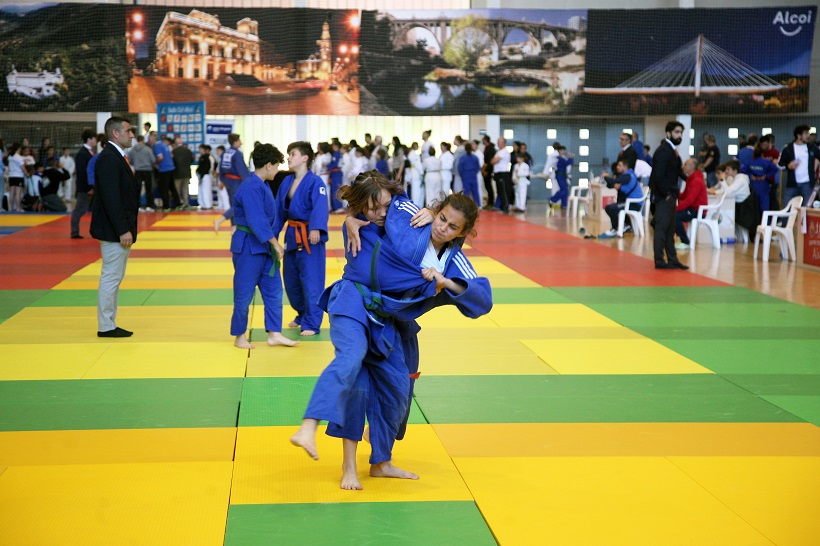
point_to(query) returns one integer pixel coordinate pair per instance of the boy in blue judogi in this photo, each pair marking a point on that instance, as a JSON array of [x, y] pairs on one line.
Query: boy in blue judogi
[[302, 206], [256, 252]]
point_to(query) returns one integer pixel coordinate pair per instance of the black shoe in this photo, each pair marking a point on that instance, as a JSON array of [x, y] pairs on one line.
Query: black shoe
[[77, 237], [679, 265], [664, 265], [116, 332]]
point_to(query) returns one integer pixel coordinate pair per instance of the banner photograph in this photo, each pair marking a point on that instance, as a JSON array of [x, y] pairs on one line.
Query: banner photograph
[[62, 58], [244, 61], [471, 61], [698, 61]]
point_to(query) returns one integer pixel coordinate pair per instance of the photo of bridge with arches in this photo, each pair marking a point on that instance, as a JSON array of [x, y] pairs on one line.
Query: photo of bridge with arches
[[471, 62]]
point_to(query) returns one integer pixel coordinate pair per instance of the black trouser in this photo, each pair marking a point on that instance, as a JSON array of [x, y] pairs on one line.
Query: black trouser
[[682, 217], [166, 182], [613, 209], [80, 208], [664, 224], [503, 184], [147, 178], [488, 187]]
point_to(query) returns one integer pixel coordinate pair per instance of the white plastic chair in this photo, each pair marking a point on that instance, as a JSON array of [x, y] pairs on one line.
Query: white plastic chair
[[708, 216], [575, 197], [785, 235], [638, 217]]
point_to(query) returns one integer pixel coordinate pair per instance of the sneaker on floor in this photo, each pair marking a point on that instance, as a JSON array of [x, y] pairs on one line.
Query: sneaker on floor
[[681, 246], [627, 228], [149, 209], [609, 234]]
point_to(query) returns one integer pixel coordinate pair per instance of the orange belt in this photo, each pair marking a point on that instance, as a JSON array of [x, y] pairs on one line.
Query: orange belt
[[232, 176], [301, 234], [415, 375]]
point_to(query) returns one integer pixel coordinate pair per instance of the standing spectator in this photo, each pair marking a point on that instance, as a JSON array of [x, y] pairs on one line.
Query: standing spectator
[[114, 221], [801, 160], [232, 171], [425, 143], [521, 180], [432, 177], [381, 162], [694, 195], [647, 155], [663, 183], [447, 165], [223, 201], [205, 169], [84, 191], [638, 145], [458, 185], [146, 129], [42, 154], [416, 175], [711, 160], [398, 161], [142, 160], [502, 175], [183, 161], [522, 149], [627, 153], [746, 152], [66, 163], [165, 168], [562, 195], [487, 171], [17, 177], [469, 168], [336, 176]]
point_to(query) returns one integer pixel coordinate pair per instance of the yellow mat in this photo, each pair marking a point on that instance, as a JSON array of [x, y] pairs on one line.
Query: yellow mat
[[599, 500], [142, 504], [450, 317], [26, 220], [629, 439], [63, 447], [612, 356], [550, 315], [28, 361], [780, 496], [269, 469], [169, 359], [460, 336], [478, 356], [90, 282], [308, 358]]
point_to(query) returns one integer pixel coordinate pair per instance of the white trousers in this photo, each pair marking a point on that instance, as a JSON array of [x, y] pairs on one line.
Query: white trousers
[[432, 187], [416, 190], [458, 185], [223, 202], [446, 181], [114, 259], [206, 192], [521, 193]]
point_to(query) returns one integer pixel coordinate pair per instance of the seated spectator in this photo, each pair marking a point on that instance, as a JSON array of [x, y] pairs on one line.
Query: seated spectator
[[628, 187], [735, 185], [693, 196]]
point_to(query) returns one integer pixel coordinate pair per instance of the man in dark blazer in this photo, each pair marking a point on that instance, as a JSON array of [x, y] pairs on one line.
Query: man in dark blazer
[[663, 183], [114, 220], [84, 192], [627, 154]]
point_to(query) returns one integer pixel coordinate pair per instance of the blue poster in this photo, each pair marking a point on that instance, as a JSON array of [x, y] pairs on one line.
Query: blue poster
[[182, 119]]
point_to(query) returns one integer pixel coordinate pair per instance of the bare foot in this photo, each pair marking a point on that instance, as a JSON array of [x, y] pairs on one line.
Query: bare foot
[[276, 338], [387, 470], [241, 342], [350, 480], [366, 434], [306, 333], [305, 437], [216, 226], [293, 324]]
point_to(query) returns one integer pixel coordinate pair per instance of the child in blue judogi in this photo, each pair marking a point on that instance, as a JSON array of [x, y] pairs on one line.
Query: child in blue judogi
[[256, 252], [302, 207]]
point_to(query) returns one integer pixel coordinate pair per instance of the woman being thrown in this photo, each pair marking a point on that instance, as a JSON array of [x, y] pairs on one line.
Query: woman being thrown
[[385, 278]]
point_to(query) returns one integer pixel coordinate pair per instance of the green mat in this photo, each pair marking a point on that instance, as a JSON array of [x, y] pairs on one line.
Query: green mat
[[14, 301]]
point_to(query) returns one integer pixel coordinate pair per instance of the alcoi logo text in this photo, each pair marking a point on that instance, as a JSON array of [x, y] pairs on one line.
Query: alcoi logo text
[[791, 20]]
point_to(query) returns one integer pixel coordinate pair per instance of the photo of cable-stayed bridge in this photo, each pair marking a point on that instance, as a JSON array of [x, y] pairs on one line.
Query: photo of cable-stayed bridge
[[706, 62]]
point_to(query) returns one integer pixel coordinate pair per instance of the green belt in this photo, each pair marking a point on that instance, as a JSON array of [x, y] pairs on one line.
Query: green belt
[[375, 295], [273, 254]]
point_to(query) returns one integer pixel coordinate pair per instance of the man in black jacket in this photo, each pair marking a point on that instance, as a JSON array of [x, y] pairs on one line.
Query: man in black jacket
[[114, 220], [666, 170], [84, 192]]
